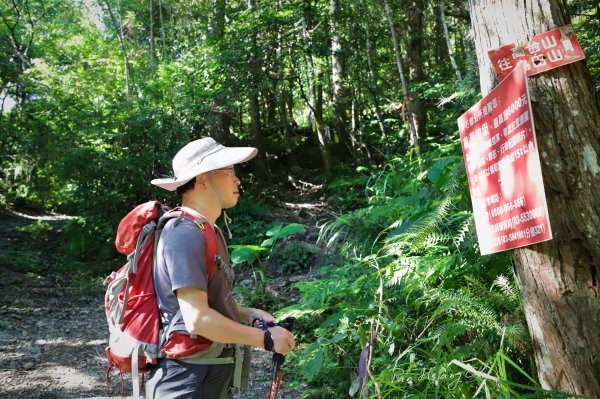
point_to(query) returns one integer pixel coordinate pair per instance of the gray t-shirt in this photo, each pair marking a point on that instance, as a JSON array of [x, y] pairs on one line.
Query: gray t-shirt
[[181, 262]]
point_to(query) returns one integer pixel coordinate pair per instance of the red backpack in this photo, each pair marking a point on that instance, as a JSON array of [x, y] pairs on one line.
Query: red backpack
[[137, 339]]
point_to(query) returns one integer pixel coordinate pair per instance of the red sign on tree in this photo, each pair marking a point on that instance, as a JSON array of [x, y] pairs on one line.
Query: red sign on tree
[[503, 167], [545, 51]]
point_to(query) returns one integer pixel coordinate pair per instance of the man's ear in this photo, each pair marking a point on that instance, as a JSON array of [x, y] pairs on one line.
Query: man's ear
[[200, 181]]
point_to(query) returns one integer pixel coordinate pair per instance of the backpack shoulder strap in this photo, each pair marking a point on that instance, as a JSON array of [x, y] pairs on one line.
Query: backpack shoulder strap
[[212, 257], [212, 249]]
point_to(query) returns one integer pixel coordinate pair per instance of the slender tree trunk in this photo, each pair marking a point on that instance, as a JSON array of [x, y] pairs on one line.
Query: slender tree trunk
[[217, 19], [162, 30], [414, 138], [559, 279], [218, 119], [448, 43], [280, 95], [121, 37], [315, 114], [416, 31], [440, 44], [373, 91], [256, 129], [340, 111], [253, 97], [289, 102], [152, 33], [270, 105]]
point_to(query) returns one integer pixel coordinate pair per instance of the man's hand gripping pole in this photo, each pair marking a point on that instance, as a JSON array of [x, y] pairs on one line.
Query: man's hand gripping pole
[[278, 359]]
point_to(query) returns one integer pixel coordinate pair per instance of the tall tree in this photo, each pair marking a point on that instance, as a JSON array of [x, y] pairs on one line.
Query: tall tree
[[414, 137], [416, 31], [559, 279], [120, 31], [253, 99], [373, 89], [218, 119], [448, 42], [316, 116], [340, 117]]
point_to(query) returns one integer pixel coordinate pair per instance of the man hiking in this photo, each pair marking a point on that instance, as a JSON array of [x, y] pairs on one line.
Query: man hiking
[[205, 177]]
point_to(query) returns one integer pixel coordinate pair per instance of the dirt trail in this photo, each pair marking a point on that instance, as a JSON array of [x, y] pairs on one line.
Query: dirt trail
[[52, 337]]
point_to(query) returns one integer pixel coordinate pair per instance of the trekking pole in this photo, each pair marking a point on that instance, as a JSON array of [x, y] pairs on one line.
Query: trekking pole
[[278, 358]]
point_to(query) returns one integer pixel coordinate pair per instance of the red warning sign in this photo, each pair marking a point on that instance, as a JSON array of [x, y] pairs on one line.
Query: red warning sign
[[546, 51], [503, 167]]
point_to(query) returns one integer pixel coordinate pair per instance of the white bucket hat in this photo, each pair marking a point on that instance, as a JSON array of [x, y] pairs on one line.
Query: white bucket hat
[[202, 156]]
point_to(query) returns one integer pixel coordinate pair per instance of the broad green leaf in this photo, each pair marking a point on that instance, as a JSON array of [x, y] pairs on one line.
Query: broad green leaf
[[354, 387], [245, 253], [274, 230], [314, 365], [282, 233]]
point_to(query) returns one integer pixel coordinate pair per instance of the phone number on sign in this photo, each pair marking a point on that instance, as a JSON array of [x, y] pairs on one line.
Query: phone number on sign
[[529, 232]]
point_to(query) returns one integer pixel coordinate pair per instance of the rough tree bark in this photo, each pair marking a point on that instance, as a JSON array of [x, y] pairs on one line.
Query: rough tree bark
[[559, 279]]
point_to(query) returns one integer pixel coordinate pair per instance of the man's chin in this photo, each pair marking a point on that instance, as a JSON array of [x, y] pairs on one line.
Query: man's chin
[[231, 204]]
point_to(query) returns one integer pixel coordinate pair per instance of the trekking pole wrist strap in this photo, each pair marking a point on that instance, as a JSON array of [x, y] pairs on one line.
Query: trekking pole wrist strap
[[268, 341]]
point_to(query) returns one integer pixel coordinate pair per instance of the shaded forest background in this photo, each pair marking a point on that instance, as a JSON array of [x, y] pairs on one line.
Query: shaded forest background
[[360, 96]]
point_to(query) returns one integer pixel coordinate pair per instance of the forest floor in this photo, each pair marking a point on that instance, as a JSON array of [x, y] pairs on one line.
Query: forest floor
[[53, 331]]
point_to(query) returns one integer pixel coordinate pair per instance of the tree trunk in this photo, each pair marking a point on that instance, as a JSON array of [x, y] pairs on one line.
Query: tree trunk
[[256, 126], [121, 37], [280, 93], [163, 38], [216, 27], [151, 34], [559, 279], [414, 138], [373, 91], [218, 119], [340, 117], [416, 31], [448, 43], [316, 115]]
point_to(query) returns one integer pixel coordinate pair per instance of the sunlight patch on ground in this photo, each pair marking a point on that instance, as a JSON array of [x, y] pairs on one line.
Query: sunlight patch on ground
[[41, 217], [56, 378], [305, 206], [71, 342]]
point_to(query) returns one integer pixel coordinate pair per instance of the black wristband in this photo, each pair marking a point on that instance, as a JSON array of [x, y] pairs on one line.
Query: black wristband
[[268, 341]]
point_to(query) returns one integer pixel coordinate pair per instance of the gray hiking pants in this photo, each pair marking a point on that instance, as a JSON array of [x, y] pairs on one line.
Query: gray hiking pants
[[174, 379]]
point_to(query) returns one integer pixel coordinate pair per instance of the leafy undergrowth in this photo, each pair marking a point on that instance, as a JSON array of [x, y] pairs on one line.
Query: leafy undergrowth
[[411, 309]]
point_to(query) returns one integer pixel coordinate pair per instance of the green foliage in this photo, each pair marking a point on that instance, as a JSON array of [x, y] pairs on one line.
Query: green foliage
[[295, 257], [414, 276], [586, 25], [250, 253]]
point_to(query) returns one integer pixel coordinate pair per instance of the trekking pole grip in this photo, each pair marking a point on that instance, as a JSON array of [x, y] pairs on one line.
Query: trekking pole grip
[[288, 324]]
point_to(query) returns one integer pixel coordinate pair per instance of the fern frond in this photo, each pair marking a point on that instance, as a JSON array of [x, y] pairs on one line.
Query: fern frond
[[505, 286], [462, 233], [450, 330], [470, 307]]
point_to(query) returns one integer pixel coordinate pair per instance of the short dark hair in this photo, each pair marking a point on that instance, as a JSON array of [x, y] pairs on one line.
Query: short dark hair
[[186, 187]]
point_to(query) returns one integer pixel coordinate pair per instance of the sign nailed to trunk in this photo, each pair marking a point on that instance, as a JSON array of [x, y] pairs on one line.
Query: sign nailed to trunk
[[546, 51], [503, 167]]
